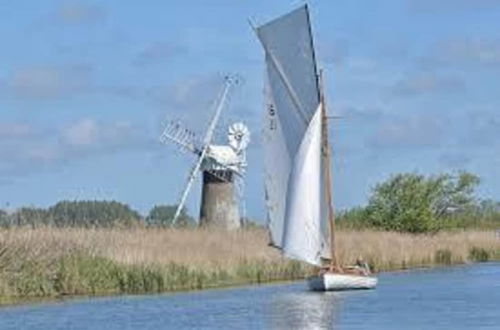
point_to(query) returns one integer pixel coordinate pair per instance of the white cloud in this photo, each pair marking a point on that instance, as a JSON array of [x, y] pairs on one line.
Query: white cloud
[[451, 5], [470, 50], [158, 52], [42, 153], [482, 129], [90, 135], [48, 82], [27, 155], [15, 130], [190, 100], [37, 82], [333, 52], [457, 159], [462, 53], [412, 132], [83, 133], [26, 152], [80, 13], [428, 83]]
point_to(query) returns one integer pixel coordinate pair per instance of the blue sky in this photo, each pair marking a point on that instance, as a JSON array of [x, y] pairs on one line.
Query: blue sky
[[84, 86]]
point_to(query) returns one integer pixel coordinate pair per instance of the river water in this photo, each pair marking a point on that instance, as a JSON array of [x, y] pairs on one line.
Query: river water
[[462, 297]]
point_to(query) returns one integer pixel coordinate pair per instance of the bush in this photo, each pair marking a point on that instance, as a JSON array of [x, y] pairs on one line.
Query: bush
[[164, 214], [478, 254], [355, 218], [92, 214], [417, 204], [29, 216], [4, 219], [442, 256]]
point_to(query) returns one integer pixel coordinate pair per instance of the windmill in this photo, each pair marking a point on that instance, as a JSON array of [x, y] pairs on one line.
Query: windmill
[[222, 166]]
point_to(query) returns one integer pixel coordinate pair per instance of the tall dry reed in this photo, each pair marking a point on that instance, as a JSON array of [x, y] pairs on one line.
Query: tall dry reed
[[390, 250], [52, 261]]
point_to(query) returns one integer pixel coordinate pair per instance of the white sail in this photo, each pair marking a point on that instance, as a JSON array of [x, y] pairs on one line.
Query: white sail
[[302, 231], [293, 103]]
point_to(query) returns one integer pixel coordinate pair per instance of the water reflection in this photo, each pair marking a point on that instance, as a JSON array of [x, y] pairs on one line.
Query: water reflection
[[306, 310]]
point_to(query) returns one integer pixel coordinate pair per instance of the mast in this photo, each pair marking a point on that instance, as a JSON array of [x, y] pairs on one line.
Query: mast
[[334, 263]]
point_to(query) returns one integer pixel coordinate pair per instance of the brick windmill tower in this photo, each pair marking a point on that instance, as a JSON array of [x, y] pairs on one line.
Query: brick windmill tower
[[222, 167]]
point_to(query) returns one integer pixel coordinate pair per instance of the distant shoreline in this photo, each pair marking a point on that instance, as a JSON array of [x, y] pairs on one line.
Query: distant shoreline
[[52, 263]]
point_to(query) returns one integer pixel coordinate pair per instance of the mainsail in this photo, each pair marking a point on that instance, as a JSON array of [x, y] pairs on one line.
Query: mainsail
[[292, 139]]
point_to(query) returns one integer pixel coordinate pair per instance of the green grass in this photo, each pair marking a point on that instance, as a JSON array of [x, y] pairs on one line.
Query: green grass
[[82, 274]]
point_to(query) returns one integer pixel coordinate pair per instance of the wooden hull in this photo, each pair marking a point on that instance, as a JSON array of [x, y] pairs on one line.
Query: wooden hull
[[339, 282]]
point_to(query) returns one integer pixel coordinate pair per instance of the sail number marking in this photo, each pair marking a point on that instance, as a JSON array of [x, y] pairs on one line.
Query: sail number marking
[[272, 117]]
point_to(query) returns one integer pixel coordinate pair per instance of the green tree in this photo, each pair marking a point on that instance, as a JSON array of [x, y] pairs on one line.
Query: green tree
[[354, 218], [486, 215], [30, 216], [414, 203], [93, 214], [4, 219], [162, 215]]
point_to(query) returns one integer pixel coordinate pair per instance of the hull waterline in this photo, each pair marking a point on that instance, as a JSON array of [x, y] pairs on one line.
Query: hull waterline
[[340, 282]]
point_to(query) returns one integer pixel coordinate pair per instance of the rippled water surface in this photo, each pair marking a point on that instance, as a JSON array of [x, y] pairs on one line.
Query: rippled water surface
[[464, 297]]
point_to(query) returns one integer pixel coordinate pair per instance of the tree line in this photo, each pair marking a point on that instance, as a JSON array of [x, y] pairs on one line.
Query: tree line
[[407, 202], [92, 214]]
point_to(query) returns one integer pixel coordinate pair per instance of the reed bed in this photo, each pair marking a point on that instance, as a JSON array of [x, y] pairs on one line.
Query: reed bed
[[391, 250], [51, 262]]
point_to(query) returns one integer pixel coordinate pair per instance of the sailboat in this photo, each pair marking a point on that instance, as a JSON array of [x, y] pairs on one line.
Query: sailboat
[[297, 154]]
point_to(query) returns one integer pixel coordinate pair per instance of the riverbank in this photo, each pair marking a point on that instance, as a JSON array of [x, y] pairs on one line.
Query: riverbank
[[51, 262]]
